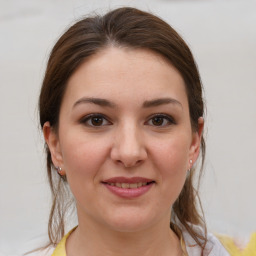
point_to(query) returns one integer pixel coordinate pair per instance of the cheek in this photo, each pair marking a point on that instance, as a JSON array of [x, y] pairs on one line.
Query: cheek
[[170, 159], [83, 157], [82, 160], [172, 154]]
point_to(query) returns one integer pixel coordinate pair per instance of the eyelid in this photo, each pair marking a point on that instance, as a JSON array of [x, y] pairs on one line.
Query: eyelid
[[84, 120], [167, 117]]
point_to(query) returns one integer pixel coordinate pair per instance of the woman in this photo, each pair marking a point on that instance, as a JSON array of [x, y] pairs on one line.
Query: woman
[[121, 110]]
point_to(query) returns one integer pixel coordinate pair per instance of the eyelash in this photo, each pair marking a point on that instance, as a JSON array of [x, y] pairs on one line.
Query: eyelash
[[88, 118], [170, 120]]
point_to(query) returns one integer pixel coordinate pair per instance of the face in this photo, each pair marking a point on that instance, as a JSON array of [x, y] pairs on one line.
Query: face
[[124, 138]]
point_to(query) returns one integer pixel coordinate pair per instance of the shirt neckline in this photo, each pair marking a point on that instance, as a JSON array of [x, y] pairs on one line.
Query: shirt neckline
[[60, 249]]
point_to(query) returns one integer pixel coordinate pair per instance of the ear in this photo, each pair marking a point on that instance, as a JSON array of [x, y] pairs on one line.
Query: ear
[[196, 142], [52, 140]]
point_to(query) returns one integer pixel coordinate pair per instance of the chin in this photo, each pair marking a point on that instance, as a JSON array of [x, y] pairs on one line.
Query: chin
[[130, 222]]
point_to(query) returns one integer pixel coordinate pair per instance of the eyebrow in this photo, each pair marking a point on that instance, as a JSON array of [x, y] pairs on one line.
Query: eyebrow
[[161, 101], [146, 104], [96, 101]]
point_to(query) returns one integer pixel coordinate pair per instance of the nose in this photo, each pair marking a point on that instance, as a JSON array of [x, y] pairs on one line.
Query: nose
[[128, 148]]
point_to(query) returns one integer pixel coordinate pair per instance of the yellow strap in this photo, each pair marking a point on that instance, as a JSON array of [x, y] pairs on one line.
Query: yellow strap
[[60, 250]]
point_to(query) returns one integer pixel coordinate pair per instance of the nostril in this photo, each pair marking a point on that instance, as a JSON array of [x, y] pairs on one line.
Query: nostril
[[132, 164]]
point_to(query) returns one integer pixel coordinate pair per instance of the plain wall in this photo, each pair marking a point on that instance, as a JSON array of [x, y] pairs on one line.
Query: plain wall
[[222, 36]]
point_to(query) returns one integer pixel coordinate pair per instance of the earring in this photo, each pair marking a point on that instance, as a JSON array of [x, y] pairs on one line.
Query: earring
[[190, 165], [60, 171]]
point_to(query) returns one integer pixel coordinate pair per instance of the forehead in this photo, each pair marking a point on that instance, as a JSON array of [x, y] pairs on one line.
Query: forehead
[[126, 75]]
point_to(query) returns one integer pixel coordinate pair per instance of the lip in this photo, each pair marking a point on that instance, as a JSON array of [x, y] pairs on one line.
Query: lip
[[128, 193], [127, 180]]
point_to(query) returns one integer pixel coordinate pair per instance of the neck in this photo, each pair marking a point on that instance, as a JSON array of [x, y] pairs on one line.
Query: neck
[[92, 239]]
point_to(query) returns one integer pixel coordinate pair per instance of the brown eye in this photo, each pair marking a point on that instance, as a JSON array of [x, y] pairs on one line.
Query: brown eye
[[161, 120], [157, 121], [95, 120]]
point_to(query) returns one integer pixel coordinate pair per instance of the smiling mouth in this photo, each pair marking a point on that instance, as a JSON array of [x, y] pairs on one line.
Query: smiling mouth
[[129, 185]]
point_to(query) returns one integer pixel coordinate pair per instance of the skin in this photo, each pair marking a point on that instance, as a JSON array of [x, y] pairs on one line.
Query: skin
[[128, 142]]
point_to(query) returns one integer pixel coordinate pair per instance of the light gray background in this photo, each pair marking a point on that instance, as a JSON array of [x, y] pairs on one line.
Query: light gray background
[[222, 36]]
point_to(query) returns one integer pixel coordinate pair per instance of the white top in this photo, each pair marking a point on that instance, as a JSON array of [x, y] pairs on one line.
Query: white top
[[213, 246]]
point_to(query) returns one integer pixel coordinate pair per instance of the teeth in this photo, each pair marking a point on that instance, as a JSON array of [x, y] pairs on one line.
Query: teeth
[[135, 185], [127, 185], [117, 185]]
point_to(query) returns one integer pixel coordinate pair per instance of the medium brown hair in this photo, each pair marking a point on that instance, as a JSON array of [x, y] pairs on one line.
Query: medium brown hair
[[135, 29]]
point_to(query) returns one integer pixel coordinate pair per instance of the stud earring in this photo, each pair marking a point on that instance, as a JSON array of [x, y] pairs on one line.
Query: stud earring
[[60, 171]]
